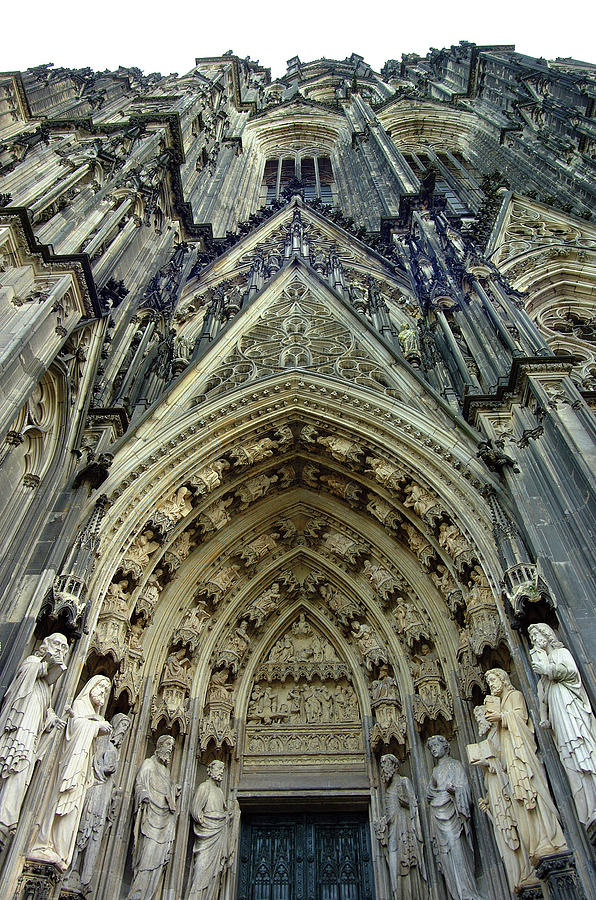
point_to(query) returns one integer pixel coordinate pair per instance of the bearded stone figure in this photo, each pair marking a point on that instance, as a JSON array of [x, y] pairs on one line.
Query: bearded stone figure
[[498, 805], [25, 717], [98, 811], [216, 832], [533, 807], [55, 841], [449, 798], [400, 834], [155, 821], [564, 707]]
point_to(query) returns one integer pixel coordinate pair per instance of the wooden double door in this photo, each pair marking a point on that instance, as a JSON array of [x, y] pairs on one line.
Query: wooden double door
[[305, 857]]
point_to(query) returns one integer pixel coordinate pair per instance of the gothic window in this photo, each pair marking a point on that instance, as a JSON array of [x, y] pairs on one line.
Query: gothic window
[[315, 173]]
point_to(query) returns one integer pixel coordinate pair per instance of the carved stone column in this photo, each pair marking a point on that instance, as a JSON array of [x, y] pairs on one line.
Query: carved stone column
[[558, 871], [38, 881]]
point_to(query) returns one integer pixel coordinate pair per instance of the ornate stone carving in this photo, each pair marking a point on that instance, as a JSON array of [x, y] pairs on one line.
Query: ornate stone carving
[[266, 603], [170, 706], [498, 805], [56, 838], [254, 488], [482, 616], [449, 799], [469, 674], [216, 825], [533, 809], [109, 636], [149, 595], [26, 715], [101, 803], [385, 473], [371, 647], [258, 549], [522, 585], [410, 343], [432, 699], [424, 504], [253, 451], [136, 557], [446, 585], [341, 606], [400, 834], [565, 708], [175, 507], [386, 514], [454, 543], [216, 725], [383, 581], [343, 488], [155, 821], [129, 678], [342, 449], [410, 624], [385, 702], [206, 480], [233, 648], [344, 546], [419, 545], [220, 582], [215, 517], [191, 627]]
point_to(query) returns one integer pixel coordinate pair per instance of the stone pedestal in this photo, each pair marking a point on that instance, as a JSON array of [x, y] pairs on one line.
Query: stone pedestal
[[558, 872], [38, 881], [531, 892]]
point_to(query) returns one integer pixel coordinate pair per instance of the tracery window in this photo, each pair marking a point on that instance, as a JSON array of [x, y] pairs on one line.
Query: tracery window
[[314, 172]]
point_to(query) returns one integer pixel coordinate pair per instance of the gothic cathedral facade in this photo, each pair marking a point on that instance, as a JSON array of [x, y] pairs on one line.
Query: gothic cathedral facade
[[297, 590]]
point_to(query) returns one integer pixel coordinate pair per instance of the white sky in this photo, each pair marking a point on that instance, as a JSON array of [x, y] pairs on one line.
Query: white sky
[[167, 35]]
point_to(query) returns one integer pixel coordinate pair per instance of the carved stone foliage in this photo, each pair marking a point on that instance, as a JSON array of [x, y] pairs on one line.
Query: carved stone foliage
[[431, 697], [171, 704]]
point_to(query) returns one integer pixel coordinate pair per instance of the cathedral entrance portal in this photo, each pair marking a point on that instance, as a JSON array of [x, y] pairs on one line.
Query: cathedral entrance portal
[[309, 855]]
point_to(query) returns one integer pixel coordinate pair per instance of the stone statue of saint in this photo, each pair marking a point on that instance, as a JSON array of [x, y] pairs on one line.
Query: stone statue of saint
[[400, 834], [449, 798], [25, 716], [564, 707], [498, 804], [408, 339], [216, 832], [55, 841], [99, 808], [533, 807], [156, 798]]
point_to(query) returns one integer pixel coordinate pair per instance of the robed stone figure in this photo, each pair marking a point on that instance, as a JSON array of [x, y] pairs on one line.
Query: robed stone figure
[[55, 841], [156, 798], [400, 834], [564, 707], [216, 833], [532, 805], [25, 717], [449, 798], [100, 803]]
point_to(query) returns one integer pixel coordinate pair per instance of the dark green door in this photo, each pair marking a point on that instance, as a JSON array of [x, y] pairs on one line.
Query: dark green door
[[304, 857]]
